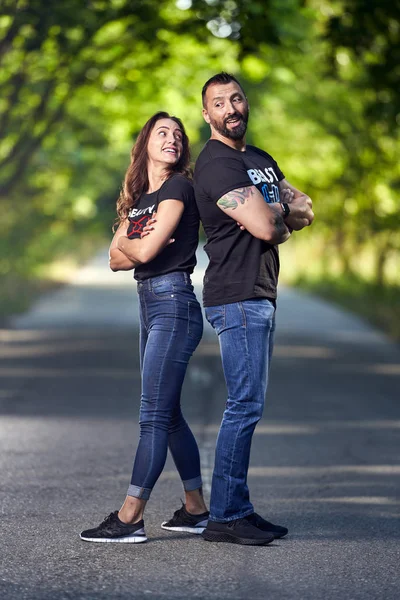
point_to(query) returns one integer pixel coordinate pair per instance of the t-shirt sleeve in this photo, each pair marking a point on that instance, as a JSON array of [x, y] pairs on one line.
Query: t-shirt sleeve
[[278, 172], [177, 188], [222, 175], [275, 165]]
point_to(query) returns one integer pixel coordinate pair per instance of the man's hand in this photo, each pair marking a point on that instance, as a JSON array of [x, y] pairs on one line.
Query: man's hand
[[286, 195], [301, 214]]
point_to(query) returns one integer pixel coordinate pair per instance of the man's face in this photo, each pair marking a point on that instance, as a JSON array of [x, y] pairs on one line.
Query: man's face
[[226, 110]]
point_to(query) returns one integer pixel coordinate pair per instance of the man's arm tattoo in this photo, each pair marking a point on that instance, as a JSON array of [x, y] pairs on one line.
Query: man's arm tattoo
[[233, 198], [280, 225]]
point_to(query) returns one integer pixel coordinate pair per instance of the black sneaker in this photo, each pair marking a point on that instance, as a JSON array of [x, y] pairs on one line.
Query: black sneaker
[[239, 531], [184, 521], [112, 529], [277, 530]]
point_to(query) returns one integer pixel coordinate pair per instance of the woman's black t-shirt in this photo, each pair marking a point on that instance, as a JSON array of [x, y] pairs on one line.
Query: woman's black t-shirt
[[181, 255]]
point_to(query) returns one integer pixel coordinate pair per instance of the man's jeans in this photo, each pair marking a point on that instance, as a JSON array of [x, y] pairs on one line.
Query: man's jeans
[[171, 326], [245, 331]]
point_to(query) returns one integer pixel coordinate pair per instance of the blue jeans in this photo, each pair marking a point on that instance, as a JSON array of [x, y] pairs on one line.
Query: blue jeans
[[171, 326], [245, 331]]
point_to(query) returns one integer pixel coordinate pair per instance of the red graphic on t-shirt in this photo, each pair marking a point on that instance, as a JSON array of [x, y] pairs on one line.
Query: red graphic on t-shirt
[[136, 227]]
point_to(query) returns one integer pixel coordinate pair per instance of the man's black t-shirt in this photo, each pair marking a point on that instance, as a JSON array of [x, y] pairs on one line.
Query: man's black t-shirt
[[241, 266], [181, 255]]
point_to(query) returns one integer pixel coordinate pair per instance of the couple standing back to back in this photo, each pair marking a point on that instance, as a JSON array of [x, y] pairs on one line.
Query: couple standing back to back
[[247, 209]]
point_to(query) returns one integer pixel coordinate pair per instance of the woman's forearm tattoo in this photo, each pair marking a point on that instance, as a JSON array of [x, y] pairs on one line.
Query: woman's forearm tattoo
[[235, 197]]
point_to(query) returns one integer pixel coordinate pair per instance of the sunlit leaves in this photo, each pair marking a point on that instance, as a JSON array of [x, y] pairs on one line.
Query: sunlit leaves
[[79, 80]]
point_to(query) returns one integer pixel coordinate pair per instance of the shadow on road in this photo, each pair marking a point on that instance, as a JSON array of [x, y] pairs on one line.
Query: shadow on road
[[325, 461]]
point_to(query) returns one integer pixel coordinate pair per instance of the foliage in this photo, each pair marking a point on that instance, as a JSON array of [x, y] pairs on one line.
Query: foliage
[[332, 143], [79, 79], [368, 32]]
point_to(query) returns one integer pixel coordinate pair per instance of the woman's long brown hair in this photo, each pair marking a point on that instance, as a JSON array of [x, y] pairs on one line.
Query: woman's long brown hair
[[136, 180]]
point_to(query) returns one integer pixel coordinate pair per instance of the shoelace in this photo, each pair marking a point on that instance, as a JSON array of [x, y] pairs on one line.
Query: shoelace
[[180, 511], [108, 520]]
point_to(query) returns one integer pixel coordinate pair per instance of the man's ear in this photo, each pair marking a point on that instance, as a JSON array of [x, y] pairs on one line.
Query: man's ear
[[206, 116]]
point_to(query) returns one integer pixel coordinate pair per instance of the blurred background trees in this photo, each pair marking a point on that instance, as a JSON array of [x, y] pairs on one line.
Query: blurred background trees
[[78, 80]]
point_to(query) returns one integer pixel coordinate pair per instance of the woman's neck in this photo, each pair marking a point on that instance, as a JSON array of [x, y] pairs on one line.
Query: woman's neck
[[157, 174]]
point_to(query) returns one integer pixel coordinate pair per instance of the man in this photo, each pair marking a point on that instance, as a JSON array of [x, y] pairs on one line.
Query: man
[[237, 184]]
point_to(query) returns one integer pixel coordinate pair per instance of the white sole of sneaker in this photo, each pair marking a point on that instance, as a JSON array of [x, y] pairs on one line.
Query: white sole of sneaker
[[127, 539], [196, 530]]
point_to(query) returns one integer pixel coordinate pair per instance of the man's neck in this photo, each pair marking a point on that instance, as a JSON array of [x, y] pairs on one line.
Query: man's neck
[[235, 144]]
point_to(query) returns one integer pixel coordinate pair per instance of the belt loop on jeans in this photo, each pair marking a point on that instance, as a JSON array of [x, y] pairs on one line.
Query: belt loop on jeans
[[144, 284]]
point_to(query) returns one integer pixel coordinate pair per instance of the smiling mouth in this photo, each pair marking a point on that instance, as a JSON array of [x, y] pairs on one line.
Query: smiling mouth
[[234, 122], [170, 150]]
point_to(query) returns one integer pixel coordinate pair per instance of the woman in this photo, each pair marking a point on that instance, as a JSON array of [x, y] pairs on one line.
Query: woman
[[171, 322]]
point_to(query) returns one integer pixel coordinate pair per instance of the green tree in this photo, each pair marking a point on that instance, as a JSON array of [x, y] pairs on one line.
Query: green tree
[[79, 79]]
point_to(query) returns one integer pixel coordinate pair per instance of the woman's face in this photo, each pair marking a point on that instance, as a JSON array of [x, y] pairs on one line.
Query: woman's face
[[165, 142]]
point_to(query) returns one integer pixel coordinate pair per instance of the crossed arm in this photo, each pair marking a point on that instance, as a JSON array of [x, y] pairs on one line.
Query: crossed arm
[[265, 221], [126, 254]]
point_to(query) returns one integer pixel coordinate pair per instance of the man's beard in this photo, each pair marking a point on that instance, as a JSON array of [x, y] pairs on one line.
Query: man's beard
[[237, 132]]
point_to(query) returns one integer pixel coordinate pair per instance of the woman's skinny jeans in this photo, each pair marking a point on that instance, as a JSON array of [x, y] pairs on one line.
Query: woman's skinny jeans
[[171, 326]]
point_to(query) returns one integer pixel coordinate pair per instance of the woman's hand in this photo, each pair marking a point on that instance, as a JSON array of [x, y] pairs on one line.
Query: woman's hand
[[149, 225], [118, 261]]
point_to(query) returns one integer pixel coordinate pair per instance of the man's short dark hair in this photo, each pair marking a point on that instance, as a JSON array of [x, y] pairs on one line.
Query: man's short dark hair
[[221, 78]]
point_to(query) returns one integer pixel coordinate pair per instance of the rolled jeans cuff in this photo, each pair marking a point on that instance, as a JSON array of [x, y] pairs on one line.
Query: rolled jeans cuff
[[139, 492], [192, 484], [239, 515]]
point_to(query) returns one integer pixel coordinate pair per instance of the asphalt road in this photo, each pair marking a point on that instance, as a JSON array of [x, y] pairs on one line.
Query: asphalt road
[[325, 458]]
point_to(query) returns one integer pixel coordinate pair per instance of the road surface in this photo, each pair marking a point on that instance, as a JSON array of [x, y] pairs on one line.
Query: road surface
[[325, 458]]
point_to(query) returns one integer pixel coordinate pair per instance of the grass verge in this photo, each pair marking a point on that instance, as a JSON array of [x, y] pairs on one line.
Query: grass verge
[[380, 305], [18, 293]]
